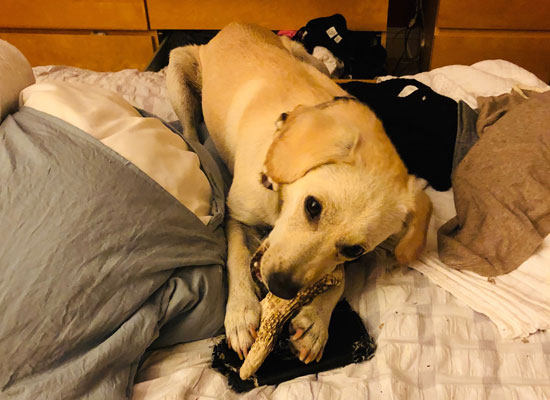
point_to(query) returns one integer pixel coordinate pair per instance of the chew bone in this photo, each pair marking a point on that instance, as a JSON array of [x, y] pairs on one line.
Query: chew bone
[[275, 312]]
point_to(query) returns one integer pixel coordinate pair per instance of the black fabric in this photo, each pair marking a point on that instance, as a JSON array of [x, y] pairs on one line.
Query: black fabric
[[362, 55], [422, 125], [348, 342]]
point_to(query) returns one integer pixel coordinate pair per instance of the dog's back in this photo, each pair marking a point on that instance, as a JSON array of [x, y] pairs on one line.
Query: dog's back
[[241, 65]]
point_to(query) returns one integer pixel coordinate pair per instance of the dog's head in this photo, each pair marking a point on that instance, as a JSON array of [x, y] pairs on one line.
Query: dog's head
[[343, 191]]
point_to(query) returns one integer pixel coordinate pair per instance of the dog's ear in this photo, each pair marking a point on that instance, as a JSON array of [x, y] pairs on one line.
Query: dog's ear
[[306, 138], [413, 241]]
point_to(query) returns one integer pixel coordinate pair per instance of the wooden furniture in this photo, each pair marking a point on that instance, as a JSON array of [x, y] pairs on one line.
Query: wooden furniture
[[105, 35], [468, 31], [361, 15], [110, 35]]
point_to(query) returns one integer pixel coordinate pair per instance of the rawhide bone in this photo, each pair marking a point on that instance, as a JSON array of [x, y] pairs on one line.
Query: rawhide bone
[[275, 312]]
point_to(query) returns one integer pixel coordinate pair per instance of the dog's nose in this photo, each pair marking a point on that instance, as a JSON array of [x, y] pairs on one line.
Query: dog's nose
[[281, 285]]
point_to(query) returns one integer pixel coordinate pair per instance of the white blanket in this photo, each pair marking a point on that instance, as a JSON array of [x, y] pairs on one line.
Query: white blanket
[[485, 78]]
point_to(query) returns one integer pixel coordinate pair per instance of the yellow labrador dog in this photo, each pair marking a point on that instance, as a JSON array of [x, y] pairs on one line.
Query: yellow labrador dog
[[308, 161]]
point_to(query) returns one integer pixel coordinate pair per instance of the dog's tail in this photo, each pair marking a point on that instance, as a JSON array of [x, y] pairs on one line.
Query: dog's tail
[[184, 84]]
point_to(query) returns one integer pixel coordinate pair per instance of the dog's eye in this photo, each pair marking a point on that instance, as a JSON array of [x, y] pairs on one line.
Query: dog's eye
[[313, 208], [352, 251]]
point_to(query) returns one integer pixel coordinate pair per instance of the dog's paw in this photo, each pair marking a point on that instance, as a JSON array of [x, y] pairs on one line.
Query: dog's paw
[[242, 319], [309, 334]]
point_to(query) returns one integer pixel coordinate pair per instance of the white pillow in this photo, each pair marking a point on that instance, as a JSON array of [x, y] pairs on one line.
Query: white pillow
[[146, 142]]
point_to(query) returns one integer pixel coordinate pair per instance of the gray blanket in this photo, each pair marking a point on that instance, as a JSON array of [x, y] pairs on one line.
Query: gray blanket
[[95, 260]]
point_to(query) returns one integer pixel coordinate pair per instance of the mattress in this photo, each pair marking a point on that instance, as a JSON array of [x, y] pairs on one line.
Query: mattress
[[436, 339]]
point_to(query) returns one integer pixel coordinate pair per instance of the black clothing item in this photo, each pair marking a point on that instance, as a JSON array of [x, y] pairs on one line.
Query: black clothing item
[[421, 124], [330, 32], [348, 342], [361, 53]]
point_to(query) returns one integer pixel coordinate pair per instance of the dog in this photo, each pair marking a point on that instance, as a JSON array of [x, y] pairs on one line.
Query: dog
[[311, 166]]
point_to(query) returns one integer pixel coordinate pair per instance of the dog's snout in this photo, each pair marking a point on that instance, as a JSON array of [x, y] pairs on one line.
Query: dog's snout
[[282, 285]]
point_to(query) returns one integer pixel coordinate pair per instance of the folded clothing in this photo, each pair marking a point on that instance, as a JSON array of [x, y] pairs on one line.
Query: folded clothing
[[501, 190]]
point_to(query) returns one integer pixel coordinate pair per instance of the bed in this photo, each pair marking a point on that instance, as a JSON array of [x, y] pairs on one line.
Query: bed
[[441, 333]]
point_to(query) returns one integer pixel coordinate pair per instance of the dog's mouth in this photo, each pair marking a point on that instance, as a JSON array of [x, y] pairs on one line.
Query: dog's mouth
[[255, 268]]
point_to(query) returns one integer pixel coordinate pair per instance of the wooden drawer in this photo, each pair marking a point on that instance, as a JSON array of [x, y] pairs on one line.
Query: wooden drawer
[[366, 15], [106, 52], [74, 14], [494, 14], [530, 50]]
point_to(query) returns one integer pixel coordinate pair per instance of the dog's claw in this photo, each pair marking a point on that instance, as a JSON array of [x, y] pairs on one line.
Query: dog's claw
[[303, 355], [298, 334], [275, 312], [254, 333], [320, 355]]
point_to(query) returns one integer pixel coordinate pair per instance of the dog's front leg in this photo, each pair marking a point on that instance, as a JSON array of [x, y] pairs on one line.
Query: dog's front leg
[[243, 311], [309, 328]]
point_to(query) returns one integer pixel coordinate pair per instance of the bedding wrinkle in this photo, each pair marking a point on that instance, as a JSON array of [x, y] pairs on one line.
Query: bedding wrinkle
[[145, 142]]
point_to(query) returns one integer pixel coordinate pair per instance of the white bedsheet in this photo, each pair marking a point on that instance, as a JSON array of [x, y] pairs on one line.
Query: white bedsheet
[[518, 302], [431, 343], [485, 78], [430, 346]]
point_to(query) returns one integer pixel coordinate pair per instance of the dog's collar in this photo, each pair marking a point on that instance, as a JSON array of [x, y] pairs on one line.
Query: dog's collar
[[335, 100]]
